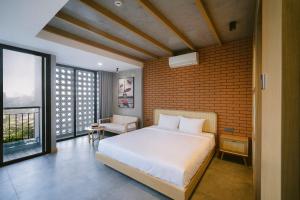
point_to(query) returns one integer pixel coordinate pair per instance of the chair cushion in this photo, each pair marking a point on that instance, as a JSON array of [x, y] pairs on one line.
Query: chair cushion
[[121, 119], [114, 127]]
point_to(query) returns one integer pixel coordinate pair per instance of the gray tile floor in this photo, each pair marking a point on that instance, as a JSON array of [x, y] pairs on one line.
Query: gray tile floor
[[73, 173]]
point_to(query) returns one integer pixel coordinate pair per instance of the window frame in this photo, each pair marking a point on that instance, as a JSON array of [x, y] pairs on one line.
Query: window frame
[[46, 102]]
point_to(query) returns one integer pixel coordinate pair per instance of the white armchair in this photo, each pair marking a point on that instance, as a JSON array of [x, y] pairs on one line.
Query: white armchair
[[119, 124]]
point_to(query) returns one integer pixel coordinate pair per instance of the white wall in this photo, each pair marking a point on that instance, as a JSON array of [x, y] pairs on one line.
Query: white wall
[[138, 94], [271, 100]]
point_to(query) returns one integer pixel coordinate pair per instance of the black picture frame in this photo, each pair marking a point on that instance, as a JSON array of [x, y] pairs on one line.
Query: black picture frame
[[125, 101]]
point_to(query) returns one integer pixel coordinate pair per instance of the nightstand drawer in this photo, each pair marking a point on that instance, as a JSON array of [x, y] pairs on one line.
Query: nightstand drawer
[[234, 146]]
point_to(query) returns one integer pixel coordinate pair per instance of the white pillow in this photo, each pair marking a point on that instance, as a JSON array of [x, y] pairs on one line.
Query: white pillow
[[191, 125], [168, 122]]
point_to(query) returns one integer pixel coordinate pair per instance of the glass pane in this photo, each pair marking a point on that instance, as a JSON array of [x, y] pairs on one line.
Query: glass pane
[[22, 104], [64, 102]]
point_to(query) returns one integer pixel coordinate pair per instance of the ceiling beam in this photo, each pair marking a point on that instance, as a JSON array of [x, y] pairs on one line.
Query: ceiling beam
[[89, 27], [156, 13], [71, 36], [208, 20], [113, 17]]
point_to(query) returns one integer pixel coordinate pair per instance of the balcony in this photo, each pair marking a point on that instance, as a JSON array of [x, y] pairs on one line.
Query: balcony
[[21, 132]]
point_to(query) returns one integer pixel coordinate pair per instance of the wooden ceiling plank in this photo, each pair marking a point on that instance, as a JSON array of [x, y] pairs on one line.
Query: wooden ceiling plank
[[208, 20], [111, 16], [77, 22], [160, 16], [80, 39]]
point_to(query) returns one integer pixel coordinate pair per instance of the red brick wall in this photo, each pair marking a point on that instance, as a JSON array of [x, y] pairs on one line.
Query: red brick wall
[[220, 83]]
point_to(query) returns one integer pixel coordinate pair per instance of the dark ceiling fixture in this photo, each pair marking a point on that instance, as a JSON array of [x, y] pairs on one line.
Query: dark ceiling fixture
[[117, 70], [232, 25]]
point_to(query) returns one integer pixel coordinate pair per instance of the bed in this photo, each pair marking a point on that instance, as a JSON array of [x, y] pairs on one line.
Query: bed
[[169, 161]]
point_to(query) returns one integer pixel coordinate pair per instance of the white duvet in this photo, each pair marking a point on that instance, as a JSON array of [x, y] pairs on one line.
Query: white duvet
[[172, 156]]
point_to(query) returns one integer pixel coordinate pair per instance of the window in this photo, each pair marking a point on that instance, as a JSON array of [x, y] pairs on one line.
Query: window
[[25, 85]]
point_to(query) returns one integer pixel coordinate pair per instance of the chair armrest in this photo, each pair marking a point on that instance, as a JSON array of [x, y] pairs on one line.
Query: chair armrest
[[126, 125], [108, 119]]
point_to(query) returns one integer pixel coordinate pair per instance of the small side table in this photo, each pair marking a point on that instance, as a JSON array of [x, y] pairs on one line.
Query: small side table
[[235, 145], [91, 130]]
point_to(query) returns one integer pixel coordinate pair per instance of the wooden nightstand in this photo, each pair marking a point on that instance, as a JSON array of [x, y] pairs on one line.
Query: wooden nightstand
[[236, 145]]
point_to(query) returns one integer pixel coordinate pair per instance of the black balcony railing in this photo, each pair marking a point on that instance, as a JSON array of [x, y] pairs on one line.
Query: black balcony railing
[[21, 123]]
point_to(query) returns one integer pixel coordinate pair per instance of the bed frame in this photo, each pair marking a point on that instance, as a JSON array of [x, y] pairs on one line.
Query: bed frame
[[162, 186]]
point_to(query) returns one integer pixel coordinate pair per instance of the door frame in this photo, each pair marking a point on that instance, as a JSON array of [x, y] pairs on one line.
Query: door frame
[[46, 102]]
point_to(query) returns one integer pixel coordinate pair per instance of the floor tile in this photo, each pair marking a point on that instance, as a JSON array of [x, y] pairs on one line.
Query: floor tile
[[73, 173], [7, 191], [3, 174]]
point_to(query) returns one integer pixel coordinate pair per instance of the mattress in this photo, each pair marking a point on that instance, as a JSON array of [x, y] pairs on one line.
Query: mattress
[[172, 156]]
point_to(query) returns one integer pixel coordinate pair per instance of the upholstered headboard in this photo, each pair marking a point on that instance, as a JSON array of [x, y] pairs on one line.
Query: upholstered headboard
[[210, 124]]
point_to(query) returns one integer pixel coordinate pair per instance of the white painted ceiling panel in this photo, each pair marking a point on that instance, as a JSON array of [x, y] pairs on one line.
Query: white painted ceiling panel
[[22, 20]]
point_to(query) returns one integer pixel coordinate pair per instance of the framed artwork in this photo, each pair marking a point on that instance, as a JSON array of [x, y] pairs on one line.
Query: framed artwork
[[126, 93]]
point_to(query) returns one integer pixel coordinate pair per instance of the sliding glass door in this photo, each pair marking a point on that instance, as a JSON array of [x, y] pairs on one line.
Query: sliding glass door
[[23, 104], [76, 101]]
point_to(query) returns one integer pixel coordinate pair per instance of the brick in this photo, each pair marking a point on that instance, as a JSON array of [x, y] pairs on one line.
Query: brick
[[221, 83]]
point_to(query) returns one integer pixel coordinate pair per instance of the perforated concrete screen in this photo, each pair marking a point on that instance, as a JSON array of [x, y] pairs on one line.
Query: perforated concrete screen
[[85, 99], [98, 97], [64, 102], [77, 100]]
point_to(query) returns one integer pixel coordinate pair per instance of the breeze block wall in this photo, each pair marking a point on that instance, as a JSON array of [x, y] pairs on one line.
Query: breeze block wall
[[221, 83]]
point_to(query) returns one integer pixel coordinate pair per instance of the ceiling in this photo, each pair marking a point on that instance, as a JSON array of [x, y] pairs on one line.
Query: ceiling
[[21, 22], [177, 25], [84, 32]]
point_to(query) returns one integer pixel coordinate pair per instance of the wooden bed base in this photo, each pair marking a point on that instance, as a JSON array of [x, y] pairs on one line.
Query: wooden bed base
[[157, 184]]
